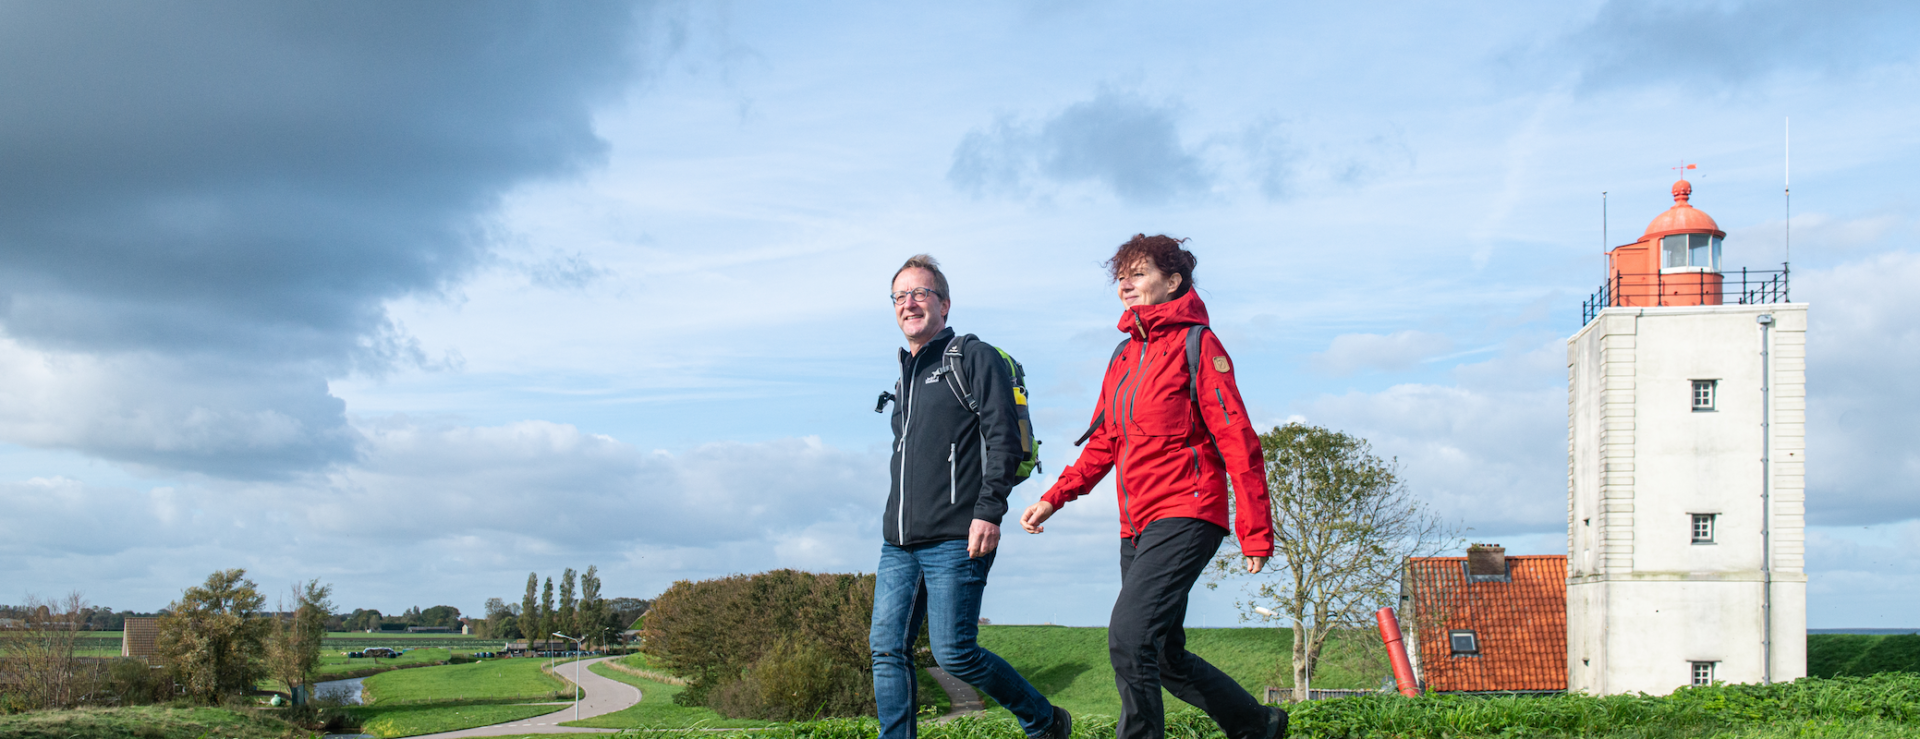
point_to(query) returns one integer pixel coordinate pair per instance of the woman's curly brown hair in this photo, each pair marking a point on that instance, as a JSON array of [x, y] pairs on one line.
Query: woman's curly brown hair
[[1163, 252]]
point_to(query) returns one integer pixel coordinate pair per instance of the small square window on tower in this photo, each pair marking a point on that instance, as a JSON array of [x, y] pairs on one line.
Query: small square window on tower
[[1463, 642], [1703, 527], [1703, 673], [1703, 392]]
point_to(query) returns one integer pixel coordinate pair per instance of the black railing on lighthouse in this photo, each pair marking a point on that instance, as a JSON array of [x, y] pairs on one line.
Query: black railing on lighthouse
[[1746, 287]]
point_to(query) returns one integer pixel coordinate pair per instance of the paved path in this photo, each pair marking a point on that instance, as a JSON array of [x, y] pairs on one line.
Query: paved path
[[963, 697], [603, 696]]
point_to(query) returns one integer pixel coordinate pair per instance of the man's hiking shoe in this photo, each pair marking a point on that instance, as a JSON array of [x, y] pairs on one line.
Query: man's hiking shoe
[[1062, 725], [1276, 722]]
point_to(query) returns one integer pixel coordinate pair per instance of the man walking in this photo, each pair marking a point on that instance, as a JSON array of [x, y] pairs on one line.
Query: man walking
[[953, 467]]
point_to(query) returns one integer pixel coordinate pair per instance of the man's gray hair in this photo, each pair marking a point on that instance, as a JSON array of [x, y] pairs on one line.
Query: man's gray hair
[[928, 263]]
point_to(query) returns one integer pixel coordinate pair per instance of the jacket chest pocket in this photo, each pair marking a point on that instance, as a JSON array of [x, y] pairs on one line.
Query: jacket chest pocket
[[1158, 404]]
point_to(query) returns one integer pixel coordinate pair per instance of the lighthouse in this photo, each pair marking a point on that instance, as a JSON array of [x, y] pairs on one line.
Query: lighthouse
[[1686, 463]]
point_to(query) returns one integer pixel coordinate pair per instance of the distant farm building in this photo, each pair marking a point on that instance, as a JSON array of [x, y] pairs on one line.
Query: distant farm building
[[140, 637]]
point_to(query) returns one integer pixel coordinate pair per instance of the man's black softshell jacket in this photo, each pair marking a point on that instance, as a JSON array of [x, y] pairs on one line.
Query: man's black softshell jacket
[[950, 465]]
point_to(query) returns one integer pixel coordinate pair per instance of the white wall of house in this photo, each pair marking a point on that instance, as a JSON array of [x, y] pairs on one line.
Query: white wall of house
[[1644, 601]]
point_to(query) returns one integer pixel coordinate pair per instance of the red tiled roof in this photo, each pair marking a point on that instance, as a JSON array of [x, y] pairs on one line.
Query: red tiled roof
[[1521, 625]]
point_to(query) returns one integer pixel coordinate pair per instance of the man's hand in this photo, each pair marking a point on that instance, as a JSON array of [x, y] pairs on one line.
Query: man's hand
[[1035, 515], [1255, 564], [982, 539]]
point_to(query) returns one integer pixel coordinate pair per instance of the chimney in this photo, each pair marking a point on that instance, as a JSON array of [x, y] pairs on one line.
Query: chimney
[[1484, 560]]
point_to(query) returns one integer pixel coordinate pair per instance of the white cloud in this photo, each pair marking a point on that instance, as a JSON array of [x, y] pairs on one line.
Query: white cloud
[[1863, 353], [469, 505], [1400, 350]]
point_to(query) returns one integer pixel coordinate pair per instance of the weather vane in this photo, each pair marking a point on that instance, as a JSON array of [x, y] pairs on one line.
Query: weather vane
[[1684, 166]]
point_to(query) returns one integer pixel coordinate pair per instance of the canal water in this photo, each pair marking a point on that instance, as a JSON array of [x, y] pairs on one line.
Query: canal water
[[347, 690]]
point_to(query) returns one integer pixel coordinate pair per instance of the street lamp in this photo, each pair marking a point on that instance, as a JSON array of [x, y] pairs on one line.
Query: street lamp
[[578, 647]]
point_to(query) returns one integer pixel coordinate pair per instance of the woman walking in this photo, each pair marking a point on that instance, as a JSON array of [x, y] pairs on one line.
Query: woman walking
[[1170, 418]]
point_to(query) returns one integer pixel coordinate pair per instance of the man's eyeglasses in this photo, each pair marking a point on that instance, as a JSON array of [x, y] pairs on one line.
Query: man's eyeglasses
[[919, 295]]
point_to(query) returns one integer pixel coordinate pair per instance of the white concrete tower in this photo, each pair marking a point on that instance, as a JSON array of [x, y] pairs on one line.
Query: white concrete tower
[[1686, 418]]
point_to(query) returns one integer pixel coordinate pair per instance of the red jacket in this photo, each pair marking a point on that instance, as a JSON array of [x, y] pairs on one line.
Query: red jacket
[[1169, 468]]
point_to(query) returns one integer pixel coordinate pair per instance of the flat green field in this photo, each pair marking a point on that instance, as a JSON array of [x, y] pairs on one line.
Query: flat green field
[[425, 700], [493, 679], [333, 662]]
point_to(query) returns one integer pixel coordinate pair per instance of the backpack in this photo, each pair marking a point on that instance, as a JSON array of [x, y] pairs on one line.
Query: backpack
[[1193, 377], [955, 374]]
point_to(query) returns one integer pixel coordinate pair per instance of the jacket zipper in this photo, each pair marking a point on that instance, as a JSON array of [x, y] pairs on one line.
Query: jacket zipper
[[1196, 470], [1126, 441], [1223, 405], [900, 526], [953, 474]]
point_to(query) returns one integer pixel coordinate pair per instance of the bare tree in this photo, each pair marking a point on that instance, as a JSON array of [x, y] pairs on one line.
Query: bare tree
[[293, 650], [1343, 526], [37, 661]]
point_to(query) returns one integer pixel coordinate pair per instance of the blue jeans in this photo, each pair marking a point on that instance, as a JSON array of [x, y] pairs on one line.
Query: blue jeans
[[939, 582]]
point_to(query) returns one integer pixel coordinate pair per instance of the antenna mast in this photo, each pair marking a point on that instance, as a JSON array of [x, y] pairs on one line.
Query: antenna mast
[[1788, 228]]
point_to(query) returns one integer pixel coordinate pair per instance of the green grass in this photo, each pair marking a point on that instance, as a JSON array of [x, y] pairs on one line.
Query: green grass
[[494, 679], [1882, 704], [413, 720], [145, 722], [1859, 655], [1070, 664], [333, 662], [656, 709], [426, 700]]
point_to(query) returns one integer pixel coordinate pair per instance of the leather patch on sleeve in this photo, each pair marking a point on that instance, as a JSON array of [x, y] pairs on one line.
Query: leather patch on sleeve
[[1220, 364]]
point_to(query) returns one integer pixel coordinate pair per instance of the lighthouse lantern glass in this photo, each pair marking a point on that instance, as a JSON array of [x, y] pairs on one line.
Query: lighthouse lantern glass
[[1690, 251]]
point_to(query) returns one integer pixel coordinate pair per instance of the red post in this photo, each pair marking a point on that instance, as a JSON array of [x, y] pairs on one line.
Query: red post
[[1397, 653]]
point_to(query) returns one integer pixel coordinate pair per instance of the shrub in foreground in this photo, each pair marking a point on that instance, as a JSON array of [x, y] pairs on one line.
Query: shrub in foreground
[[781, 644]]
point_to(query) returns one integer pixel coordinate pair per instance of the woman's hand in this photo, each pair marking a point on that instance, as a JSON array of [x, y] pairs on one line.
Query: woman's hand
[[1035, 515], [1255, 564]]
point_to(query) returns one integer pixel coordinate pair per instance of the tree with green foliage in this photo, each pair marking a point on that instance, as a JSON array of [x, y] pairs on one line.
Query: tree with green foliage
[[527, 621], [549, 620], [594, 615], [1343, 527], [363, 619], [448, 616], [778, 645], [293, 650], [568, 622], [213, 638]]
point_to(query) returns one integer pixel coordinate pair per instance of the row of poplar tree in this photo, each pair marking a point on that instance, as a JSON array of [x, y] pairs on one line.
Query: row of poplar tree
[[579, 610]]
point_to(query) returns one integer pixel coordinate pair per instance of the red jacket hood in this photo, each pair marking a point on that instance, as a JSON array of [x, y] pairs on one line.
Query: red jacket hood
[[1179, 312]]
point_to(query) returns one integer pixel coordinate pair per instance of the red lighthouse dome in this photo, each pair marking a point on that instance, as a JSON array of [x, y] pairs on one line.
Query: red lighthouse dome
[[1683, 217], [1675, 262]]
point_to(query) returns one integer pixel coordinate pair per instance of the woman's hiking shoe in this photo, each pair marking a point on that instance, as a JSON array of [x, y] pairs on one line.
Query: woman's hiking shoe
[[1062, 725], [1276, 722]]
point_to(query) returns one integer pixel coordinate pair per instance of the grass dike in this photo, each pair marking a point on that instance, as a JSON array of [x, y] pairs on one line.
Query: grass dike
[[147, 722]]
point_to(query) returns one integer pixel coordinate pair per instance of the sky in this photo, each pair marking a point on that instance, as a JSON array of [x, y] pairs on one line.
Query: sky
[[416, 299]]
